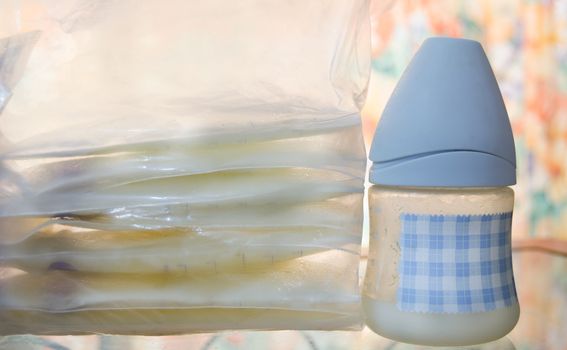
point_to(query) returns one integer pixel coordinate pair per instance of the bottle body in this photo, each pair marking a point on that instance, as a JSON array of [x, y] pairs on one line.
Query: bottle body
[[439, 265]]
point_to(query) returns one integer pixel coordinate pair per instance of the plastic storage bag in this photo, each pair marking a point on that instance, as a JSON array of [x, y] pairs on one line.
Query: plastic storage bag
[[180, 166]]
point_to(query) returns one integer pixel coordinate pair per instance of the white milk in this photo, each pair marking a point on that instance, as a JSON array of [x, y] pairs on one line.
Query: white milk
[[383, 277]]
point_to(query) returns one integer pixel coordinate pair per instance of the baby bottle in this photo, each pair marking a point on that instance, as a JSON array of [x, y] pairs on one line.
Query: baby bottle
[[440, 267]]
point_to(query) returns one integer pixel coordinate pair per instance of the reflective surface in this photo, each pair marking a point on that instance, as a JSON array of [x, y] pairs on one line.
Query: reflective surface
[[542, 286]]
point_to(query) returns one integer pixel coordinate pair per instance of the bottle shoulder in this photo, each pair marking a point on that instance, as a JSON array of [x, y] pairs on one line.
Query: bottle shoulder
[[399, 190], [500, 196]]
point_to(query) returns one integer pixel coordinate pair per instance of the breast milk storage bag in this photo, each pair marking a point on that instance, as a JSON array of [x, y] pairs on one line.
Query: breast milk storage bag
[[180, 166]]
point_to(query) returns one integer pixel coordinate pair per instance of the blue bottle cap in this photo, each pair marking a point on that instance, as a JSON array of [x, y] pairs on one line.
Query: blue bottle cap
[[445, 124]]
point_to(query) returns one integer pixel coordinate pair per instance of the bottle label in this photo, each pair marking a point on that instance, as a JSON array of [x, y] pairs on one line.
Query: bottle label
[[455, 263]]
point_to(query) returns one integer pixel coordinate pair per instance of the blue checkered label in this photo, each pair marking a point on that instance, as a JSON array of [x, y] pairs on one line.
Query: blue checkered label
[[455, 263]]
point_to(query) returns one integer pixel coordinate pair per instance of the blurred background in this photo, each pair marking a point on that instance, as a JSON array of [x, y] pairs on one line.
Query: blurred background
[[526, 42]]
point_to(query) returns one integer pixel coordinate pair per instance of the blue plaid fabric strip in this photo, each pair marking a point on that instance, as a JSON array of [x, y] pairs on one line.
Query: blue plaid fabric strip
[[455, 263]]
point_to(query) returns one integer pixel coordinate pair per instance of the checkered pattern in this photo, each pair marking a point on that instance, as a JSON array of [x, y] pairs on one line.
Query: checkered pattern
[[455, 263]]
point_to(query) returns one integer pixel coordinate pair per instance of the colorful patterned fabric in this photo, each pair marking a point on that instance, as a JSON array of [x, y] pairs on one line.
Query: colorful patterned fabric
[[455, 263]]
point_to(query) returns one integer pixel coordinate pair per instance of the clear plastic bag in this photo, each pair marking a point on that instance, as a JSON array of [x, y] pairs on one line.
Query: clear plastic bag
[[196, 165]]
